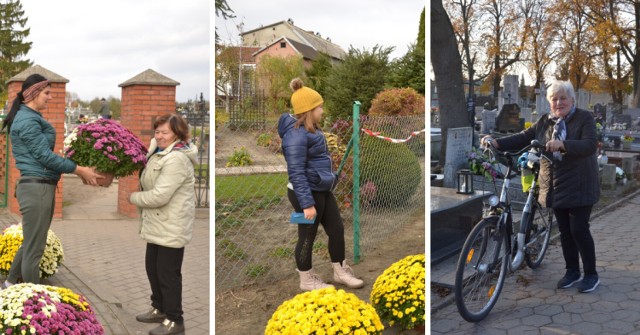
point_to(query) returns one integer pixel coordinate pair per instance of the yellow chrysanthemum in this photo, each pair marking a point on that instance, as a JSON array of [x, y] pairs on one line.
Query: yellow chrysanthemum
[[335, 312], [398, 294], [10, 241]]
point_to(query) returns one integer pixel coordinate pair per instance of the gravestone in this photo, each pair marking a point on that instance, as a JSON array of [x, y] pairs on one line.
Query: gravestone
[[601, 112], [608, 181], [634, 113], [509, 118], [542, 104], [489, 120], [614, 108], [501, 101], [458, 146], [511, 89], [622, 118], [525, 113], [582, 97]]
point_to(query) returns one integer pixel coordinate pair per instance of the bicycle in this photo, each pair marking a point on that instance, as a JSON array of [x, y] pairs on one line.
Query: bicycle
[[493, 246]]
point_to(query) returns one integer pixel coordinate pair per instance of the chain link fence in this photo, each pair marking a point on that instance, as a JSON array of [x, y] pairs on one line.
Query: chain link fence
[[254, 240]]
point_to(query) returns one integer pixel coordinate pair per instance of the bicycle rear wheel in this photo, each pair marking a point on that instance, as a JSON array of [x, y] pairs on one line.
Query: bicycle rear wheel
[[481, 270], [538, 235]]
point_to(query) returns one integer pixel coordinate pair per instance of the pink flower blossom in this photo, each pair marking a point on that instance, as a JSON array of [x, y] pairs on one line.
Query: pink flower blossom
[[120, 151]]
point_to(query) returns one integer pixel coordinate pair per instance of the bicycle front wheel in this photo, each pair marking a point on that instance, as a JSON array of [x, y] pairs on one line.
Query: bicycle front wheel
[[481, 270], [538, 235]]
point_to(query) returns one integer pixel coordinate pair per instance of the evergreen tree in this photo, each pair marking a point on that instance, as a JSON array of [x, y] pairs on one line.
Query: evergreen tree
[[408, 71], [360, 76], [318, 73], [421, 42], [13, 47]]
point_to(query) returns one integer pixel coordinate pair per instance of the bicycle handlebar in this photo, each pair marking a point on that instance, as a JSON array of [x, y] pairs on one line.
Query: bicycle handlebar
[[534, 144]]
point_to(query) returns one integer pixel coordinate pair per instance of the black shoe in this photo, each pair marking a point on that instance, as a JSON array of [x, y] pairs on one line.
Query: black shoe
[[588, 284], [152, 316], [168, 328], [570, 278]]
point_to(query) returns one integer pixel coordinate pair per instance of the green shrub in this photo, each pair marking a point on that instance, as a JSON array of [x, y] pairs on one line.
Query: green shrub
[[240, 157], [264, 140], [390, 171], [402, 102], [397, 102]]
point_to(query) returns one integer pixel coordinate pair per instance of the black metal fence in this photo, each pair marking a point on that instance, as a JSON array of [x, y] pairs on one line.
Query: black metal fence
[[198, 119], [247, 111]]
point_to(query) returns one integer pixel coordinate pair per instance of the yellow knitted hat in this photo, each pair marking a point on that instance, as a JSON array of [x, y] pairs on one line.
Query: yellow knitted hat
[[303, 99]]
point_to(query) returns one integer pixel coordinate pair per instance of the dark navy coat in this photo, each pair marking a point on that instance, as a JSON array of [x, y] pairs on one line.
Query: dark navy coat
[[308, 160]]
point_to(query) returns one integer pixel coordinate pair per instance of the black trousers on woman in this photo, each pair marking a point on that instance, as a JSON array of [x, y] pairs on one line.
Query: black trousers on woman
[[164, 269], [328, 214], [576, 238]]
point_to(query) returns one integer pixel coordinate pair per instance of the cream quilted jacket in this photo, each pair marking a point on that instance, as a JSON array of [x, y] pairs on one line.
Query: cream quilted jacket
[[167, 199]]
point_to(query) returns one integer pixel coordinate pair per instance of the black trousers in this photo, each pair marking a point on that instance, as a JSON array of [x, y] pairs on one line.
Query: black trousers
[[328, 215], [576, 238], [164, 266]]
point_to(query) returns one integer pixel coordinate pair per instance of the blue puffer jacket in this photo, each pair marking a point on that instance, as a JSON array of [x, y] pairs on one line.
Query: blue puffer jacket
[[308, 160], [32, 143]]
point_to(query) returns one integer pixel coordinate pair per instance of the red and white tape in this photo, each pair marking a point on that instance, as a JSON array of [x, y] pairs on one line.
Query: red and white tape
[[392, 140]]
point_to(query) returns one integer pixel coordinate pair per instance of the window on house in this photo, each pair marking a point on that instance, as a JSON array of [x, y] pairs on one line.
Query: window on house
[[283, 44]]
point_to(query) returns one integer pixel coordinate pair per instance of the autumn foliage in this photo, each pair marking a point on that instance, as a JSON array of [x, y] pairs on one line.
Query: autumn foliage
[[397, 102]]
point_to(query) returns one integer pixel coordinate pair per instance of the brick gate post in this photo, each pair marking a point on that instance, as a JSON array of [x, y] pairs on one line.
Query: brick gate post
[[145, 97]]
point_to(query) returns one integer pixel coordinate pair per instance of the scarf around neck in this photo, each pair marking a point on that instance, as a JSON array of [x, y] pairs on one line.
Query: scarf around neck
[[560, 129]]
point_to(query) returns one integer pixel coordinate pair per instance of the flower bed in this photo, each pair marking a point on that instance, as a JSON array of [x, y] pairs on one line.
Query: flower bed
[[40, 309], [108, 146], [10, 241], [325, 311], [398, 295]]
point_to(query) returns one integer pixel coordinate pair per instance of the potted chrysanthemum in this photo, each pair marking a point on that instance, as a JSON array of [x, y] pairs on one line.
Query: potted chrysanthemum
[[105, 144], [40, 309], [324, 311], [398, 294], [10, 241]]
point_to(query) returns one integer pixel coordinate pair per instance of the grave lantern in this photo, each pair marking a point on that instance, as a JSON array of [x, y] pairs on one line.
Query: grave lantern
[[465, 181]]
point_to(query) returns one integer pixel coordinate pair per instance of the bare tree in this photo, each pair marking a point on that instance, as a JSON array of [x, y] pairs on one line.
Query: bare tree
[[508, 26], [465, 16], [540, 49]]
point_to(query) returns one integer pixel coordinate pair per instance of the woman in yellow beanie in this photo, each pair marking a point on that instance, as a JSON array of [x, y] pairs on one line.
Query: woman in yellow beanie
[[311, 181]]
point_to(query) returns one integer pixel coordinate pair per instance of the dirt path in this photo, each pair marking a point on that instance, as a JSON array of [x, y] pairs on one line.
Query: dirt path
[[247, 310]]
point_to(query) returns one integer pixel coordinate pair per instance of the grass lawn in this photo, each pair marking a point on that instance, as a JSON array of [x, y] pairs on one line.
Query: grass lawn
[[247, 187]]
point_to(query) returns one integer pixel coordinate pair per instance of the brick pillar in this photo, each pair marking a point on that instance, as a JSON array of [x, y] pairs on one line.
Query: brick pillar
[[54, 114], [145, 97]]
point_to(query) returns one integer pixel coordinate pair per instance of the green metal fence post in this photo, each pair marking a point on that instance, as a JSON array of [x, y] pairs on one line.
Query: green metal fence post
[[356, 181], [344, 157]]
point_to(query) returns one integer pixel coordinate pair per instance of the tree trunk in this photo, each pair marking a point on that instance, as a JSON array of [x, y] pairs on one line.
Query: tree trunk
[[447, 67], [635, 98]]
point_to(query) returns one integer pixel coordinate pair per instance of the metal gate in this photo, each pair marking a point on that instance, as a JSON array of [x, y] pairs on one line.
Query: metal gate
[[198, 120]]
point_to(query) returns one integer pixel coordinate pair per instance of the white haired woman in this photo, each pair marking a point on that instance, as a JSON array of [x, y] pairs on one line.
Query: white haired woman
[[570, 186]]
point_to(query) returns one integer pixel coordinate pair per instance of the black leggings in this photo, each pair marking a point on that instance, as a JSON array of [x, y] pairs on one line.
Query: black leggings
[[329, 215], [576, 238]]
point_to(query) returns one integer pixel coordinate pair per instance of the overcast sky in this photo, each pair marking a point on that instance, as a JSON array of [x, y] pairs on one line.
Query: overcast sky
[[98, 45], [362, 24]]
